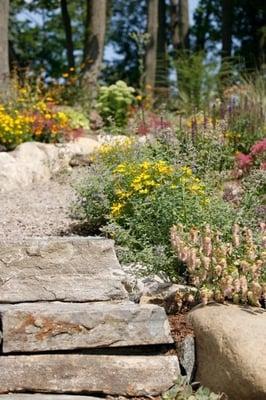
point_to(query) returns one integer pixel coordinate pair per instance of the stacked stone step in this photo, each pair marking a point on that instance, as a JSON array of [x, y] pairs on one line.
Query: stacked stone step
[[63, 308]]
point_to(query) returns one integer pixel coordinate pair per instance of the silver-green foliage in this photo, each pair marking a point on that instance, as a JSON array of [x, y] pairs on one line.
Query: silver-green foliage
[[183, 391]]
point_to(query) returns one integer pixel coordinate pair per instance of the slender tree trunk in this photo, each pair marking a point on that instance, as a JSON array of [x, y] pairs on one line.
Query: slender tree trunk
[[227, 25], [180, 24], [68, 33], [175, 24], [151, 56], [161, 65], [94, 41], [184, 23], [4, 58]]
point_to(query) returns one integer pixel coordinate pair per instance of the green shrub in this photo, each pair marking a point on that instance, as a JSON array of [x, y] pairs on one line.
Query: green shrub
[[114, 103], [77, 118], [134, 196]]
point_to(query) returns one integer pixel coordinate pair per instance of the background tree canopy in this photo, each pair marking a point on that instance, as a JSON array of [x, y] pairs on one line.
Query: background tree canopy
[[38, 38]]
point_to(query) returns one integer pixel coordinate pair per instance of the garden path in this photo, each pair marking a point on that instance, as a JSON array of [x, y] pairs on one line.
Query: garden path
[[40, 210]]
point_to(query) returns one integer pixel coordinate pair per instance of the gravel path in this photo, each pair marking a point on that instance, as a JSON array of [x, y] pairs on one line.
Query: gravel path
[[42, 210]]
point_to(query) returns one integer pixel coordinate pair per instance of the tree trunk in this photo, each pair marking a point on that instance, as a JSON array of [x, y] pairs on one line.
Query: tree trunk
[[94, 42], [161, 62], [4, 59], [68, 34], [227, 25], [175, 24], [151, 56], [184, 24]]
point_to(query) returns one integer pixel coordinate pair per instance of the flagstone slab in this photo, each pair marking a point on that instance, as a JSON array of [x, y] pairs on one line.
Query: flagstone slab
[[79, 373], [36, 327], [66, 269]]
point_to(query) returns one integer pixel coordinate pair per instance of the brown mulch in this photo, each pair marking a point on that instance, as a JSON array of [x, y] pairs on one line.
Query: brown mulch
[[180, 327]]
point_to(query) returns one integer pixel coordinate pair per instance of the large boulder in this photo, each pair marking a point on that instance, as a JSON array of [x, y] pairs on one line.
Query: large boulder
[[231, 350], [34, 162]]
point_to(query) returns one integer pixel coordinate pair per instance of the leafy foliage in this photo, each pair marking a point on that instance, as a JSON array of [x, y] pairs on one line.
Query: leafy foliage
[[183, 391], [144, 193], [114, 102]]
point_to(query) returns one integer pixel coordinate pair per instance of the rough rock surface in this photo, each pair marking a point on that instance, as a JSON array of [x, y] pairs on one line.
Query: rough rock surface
[[72, 373], [64, 326], [231, 350], [34, 162], [68, 269], [186, 356]]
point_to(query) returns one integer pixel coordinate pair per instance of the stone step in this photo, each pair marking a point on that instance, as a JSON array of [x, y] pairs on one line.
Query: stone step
[[75, 373], [65, 269], [40, 396], [36, 327]]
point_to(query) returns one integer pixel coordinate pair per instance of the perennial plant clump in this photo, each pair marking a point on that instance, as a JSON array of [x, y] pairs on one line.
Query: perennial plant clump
[[133, 181], [224, 270], [41, 123], [143, 191], [182, 390], [15, 128], [114, 103]]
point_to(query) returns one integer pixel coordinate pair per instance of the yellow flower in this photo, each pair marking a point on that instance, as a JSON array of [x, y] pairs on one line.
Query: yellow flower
[[123, 194], [152, 183], [63, 118], [143, 191], [139, 98], [23, 91], [65, 75], [187, 171], [136, 186], [145, 165], [205, 202], [116, 209], [163, 168], [121, 168]]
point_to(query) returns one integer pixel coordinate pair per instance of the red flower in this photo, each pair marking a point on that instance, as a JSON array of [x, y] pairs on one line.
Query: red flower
[[258, 147], [244, 161]]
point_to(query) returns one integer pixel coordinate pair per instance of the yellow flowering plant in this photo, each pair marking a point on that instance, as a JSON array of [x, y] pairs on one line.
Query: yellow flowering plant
[[135, 192], [15, 128], [136, 181]]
